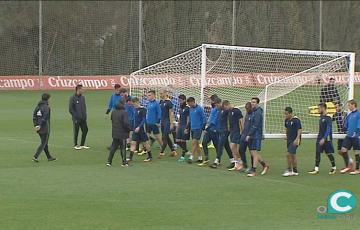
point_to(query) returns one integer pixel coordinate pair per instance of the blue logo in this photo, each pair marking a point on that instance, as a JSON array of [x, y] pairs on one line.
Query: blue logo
[[341, 202]]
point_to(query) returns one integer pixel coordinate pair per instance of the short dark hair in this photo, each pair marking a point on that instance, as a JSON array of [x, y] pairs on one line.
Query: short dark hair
[[352, 102], [135, 100], [213, 97], [123, 90], [116, 86], [45, 96], [152, 92], [225, 102], [248, 105], [182, 97], [190, 99], [121, 103], [323, 105], [332, 79], [79, 86], [289, 109], [217, 100], [256, 99]]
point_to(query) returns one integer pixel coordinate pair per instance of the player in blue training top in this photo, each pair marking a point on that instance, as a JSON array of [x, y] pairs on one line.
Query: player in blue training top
[[352, 126], [236, 122], [254, 137], [196, 126], [293, 139], [114, 99], [183, 122], [139, 135], [339, 118], [130, 110], [167, 123], [324, 141], [210, 134], [223, 131], [153, 117]]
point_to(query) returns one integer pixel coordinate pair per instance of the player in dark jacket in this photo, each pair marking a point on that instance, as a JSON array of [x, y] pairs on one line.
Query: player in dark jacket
[[77, 109], [120, 132], [330, 93], [41, 120]]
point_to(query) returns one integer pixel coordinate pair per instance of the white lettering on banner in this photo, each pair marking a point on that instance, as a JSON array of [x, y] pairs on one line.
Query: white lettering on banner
[[71, 83], [17, 83]]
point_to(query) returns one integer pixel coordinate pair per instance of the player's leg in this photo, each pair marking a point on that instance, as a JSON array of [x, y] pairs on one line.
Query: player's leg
[[84, 130], [343, 148], [219, 150], [318, 150], [205, 142], [237, 160], [148, 149], [123, 152], [196, 136], [329, 150], [356, 146], [114, 146], [133, 145], [291, 160], [76, 127], [46, 149], [242, 151], [229, 151], [41, 147]]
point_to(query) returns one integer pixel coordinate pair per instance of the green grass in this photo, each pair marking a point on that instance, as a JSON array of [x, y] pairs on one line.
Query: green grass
[[79, 192]]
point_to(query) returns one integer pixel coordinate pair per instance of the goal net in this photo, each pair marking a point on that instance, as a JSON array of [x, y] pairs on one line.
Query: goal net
[[280, 78]]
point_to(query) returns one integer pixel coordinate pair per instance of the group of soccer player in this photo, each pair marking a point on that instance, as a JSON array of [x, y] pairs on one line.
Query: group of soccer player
[[175, 120]]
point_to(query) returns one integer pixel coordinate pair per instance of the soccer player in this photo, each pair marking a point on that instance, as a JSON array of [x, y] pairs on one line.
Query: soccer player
[[139, 135], [223, 134], [181, 136], [120, 132], [339, 117], [129, 108], [153, 117], [236, 122], [324, 141], [167, 123], [114, 99], [210, 134], [243, 143], [293, 138], [41, 121], [352, 126], [174, 96], [77, 109], [254, 137], [329, 93], [196, 127]]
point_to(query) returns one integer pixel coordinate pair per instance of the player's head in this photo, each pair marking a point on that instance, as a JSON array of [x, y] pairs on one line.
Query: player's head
[[217, 102], [117, 88], [151, 95], [45, 97], [79, 89], [248, 107], [164, 94], [124, 92], [121, 103], [332, 81], [213, 97], [136, 102], [288, 112], [191, 102], [182, 99], [255, 102], [226, 105], [322, 108], [352, 105], [338, 106]]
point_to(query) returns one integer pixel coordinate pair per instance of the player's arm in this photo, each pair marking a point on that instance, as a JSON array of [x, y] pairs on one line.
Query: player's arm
[[171, 113], [110, 105], [71, 106], [158, 113], [255, 124], [241, 124], [299, 132], [203, 117], [328, 128]]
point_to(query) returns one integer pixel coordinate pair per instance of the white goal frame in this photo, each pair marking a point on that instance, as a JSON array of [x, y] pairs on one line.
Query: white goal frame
[[203, 73]]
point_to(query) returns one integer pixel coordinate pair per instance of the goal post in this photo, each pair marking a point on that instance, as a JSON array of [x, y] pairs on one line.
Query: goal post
[[279, 77]]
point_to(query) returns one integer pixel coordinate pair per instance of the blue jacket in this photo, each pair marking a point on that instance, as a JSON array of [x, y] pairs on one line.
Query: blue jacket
[[213, 119], [197, 118], [223, 121], [325, 128], [114, 99], [139, 118], [352, 123], [256, 123], [153, 115]]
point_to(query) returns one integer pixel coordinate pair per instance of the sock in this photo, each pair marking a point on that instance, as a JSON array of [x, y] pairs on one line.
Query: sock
[[316, 168], [289, 169], [191, 157], [263, 163], [295, 170], [253, 169], [346, 158], [357, 158], [149, 154], [232, 160], [200, 158], [317, 160], [332, 159]]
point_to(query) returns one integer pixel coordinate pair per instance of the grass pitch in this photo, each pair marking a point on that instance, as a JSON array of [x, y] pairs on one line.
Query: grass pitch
[[78, 192]]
